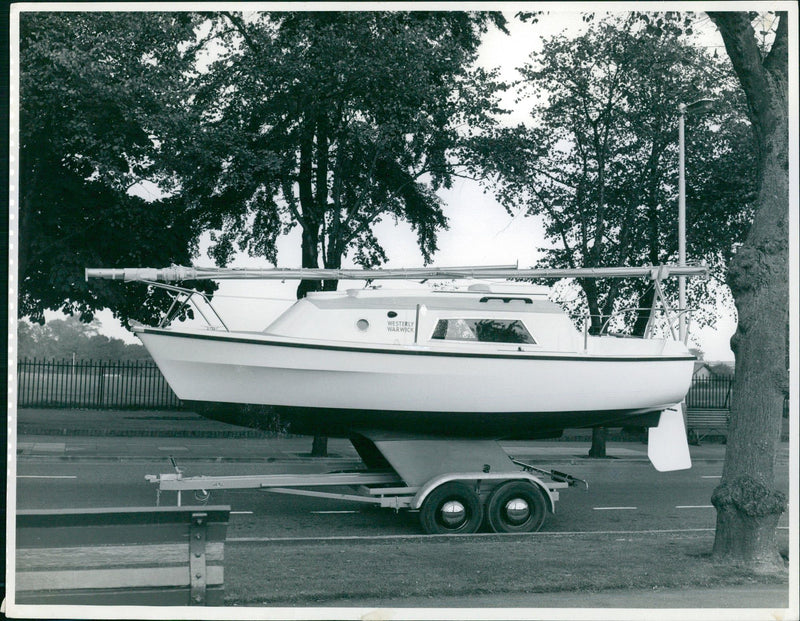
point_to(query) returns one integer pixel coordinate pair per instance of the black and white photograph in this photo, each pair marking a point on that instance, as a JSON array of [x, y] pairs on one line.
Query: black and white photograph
[[393, 310]]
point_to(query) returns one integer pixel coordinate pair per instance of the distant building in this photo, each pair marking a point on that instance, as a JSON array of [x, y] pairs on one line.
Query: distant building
[[707, 369]]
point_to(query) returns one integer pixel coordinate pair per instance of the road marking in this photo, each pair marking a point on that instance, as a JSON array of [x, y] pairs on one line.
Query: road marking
[[172, 448], [46, 476], [711, 476], [329, 512], [614, 508], [42, 447], [694, 506], [241, 513]]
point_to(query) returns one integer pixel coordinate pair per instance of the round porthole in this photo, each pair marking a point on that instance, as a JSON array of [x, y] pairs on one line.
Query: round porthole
[[391, 314], [362, 324]]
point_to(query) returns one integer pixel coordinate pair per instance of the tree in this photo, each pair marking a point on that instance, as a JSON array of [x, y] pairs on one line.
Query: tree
[[65, 338], [247, 124], [90, 85], [747, 503], [250, 124], [330, 122], [599, 161]]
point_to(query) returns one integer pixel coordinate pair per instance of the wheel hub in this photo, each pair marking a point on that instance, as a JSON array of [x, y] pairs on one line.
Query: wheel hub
[[517, 511], [453, 513]]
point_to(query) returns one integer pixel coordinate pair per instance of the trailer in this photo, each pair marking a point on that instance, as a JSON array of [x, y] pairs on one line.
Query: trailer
[[455, 485]]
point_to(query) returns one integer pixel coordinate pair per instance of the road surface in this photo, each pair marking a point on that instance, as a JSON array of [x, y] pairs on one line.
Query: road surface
[[625, 492], [626, 496]]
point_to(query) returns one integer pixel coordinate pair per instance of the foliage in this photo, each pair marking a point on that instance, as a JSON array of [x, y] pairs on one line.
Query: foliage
[[329, 121], [91, 85], [245, 124], [598, 163], [63, 338]]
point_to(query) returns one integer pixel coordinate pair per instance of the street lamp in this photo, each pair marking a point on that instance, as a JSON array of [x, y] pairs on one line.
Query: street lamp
[[700, 105]]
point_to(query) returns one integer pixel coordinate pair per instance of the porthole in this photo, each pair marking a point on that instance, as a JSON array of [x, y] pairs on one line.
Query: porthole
[[362, 324], [391, 314]]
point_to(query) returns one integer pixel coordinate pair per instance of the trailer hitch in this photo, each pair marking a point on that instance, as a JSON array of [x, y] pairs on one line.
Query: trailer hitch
[[201, 495], [561, 477]]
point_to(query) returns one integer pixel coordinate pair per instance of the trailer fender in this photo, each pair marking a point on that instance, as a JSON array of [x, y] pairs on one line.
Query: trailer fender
[[425, 490]]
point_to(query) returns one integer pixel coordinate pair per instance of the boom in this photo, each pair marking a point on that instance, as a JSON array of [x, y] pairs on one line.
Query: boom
[[179, 273]]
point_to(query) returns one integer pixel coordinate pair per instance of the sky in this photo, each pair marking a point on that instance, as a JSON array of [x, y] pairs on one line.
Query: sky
[[481, 231]]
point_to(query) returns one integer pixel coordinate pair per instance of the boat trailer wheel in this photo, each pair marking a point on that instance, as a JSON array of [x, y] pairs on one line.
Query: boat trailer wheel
[[516, 507], [451, 508]]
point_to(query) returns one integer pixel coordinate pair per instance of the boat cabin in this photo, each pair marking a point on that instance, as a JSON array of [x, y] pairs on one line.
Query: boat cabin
[[508, 318]]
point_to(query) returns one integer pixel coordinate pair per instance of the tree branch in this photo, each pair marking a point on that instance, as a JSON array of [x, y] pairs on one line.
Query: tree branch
[[240, 27], [562, 229], [776, 62], [740, 43]]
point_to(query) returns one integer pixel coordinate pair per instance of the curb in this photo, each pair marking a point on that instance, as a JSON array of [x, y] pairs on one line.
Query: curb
[[338, 461], [29, 430]]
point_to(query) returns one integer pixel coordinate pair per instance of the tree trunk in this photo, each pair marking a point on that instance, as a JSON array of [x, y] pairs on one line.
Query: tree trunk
[[313, 211], [598, 449], [644, 303], [310, 258], [319, 447], [310, 250], [748, 505], [589, 287], [311, 220]]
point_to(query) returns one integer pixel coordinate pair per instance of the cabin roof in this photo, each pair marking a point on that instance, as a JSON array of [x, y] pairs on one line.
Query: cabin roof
[[516, 301]]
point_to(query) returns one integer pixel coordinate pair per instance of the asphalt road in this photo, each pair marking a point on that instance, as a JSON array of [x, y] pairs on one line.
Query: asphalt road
[[68, 468], [625, 492]]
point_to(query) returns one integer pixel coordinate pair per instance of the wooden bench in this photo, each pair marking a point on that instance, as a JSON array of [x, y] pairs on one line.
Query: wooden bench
[[700, 423], [160, 556]]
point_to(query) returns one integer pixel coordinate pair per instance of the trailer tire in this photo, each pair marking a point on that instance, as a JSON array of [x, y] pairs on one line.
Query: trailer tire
[[516, 507], [451, 508]]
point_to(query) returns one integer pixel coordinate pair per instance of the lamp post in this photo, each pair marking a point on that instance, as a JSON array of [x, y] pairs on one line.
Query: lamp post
[[684, 109]]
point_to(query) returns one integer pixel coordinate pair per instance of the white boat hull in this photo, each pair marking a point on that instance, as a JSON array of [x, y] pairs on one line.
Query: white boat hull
[[333, 387]]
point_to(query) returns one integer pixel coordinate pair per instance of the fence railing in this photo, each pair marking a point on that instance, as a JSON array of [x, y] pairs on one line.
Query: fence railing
[[93, 384], [710, 393]]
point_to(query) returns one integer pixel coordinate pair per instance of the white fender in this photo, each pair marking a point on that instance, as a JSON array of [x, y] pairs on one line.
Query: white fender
[[667, 445]]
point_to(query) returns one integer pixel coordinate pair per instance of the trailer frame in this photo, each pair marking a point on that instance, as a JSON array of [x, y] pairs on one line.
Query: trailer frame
[[380, 487]]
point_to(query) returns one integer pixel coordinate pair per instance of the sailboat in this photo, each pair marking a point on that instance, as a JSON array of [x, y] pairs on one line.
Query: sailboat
[[489, 360]]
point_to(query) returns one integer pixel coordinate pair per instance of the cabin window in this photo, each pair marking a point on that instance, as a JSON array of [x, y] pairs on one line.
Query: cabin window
[[483, 330], [362, 324]]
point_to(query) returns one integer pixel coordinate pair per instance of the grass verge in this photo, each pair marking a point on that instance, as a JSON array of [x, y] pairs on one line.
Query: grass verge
[[335, 572]]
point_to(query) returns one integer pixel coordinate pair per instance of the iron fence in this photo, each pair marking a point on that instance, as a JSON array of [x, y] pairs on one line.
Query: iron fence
[[93, 384], [710, 393]]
